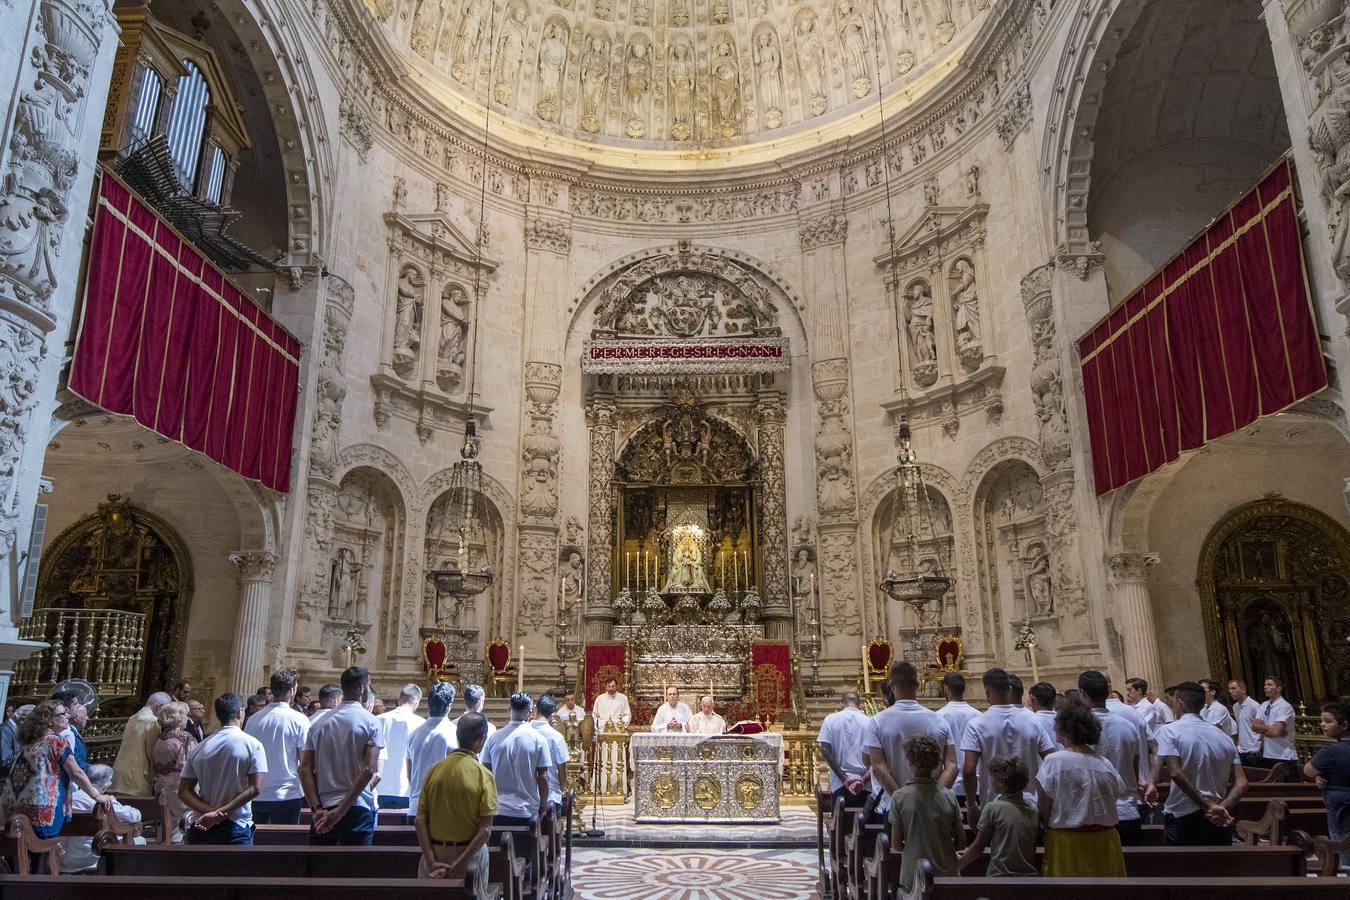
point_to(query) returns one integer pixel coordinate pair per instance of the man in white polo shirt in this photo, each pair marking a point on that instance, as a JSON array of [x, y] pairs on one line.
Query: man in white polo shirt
[[558, 754], [1214, 712], [1207, 779], [1275, 724], [399, 724], [1245, 709], [1003, 730], [841, 746], [889, 731], [957, 714], [220, 777], [432, 742], [1041, 701], [340, 767], [1136, 697], [282, 732], [518, 758], [1123, 743]]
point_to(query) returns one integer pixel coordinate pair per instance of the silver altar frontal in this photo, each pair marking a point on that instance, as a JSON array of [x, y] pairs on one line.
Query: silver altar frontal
[[698, 778]]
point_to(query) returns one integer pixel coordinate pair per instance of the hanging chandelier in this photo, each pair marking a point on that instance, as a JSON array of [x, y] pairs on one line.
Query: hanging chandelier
[[922, 580], [466, 502]]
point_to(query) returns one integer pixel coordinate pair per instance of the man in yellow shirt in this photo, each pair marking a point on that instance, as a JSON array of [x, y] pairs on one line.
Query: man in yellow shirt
[[455, 810]]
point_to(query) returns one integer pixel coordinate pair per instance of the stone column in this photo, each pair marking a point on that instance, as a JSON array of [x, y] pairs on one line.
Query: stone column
[[600, 513], [55, 61], [250, 630], [1134, 613], [773, 538], [823, 236]]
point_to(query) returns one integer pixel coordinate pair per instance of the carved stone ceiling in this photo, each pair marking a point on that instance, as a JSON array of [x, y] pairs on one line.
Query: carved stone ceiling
[[681, 75]]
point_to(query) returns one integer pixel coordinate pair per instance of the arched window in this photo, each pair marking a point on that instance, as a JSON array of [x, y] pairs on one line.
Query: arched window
[[187, 124], [147, 105]]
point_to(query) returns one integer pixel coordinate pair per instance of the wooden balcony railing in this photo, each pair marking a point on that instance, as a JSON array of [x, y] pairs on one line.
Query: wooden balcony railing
[[106, 647]]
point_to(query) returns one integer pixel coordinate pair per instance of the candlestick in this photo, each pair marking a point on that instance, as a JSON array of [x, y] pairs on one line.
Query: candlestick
[[867, 675], [722, 578], [747, 568], [520, 669]]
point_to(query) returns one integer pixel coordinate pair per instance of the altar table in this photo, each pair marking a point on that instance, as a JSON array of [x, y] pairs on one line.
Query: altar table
[[698, 778]]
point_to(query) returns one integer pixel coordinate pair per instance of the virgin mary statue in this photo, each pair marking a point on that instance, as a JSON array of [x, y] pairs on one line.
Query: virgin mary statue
[[686, 570]]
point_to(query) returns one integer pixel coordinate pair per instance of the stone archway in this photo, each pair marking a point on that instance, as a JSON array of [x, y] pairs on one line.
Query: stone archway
[[1274, 582]]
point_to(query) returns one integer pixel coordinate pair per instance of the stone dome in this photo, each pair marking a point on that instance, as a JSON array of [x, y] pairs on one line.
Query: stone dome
[[679, 75]]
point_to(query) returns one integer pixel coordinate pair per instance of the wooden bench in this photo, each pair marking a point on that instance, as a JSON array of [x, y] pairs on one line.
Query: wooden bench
[[1279, 821], [883, 870], [942, 888], [103, 887]]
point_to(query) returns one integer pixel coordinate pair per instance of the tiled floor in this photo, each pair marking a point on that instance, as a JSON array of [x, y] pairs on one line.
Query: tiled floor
[[637, 874]]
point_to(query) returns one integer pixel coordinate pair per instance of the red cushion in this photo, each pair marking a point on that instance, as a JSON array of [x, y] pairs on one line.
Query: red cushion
[[499, 656], [435, 654], [879, 655]]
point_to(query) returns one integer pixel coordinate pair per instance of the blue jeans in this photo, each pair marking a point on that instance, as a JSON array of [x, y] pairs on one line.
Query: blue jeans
[[277, 812], [227, 832], [1338, 819], [355, 829]]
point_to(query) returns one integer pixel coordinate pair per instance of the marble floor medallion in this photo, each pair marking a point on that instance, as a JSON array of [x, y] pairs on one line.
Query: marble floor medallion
[[638, 874]]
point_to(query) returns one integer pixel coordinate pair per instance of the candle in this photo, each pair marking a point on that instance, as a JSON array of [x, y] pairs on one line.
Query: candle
[[722, 579], [627, 566], [520, 669], [747, 567], [867, 675]]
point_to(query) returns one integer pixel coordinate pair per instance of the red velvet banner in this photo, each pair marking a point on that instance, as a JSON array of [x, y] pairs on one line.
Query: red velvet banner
[[771, 678], [604, 660], [167, 338], [1222, 334]]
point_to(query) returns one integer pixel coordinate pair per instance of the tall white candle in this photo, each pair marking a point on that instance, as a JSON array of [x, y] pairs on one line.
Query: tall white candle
[[520, 669]]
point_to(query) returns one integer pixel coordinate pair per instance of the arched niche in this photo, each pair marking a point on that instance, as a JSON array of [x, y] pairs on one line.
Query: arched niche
[[487, 546], [935, 552], [365, 566]]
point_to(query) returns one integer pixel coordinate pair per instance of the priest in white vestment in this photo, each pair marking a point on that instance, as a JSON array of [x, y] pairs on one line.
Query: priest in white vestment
[[611, 708], [706, 720], [671, 716]]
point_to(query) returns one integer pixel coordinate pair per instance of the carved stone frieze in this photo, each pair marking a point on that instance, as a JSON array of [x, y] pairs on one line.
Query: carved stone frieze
[[1015, 114], [538, 574], [661, 209], [331, 386], [355, 125], [1047, 384], [540, 447], [22, 351], [548, 234], [840, 607], [835, 494], [823, 230]]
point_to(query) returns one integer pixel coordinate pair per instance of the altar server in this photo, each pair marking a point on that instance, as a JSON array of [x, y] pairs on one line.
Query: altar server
[[706, 720], [611, 708], [569, 711], [673, 715]]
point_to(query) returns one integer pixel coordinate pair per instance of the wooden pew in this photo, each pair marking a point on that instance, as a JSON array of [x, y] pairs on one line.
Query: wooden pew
[[298, 836], [841, 822], [1280, 821], [1123, 888], [1327, 852], [383, 817], [19, 842], [883, 870], [103, 887]]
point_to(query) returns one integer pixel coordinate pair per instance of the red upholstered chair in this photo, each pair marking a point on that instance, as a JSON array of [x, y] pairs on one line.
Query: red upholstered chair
[[950, 652], [499, 666], [436, 657], [880, 655]]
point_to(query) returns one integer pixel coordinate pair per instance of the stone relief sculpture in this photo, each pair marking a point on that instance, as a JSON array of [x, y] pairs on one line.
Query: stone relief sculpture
[[769, 77], [450, 355], [834, 451], [552, 62], [409, 303], [637, 75], [681, 77], [966, 313], [510, 55], [853, 37], [572, 582], [594, 82], [811, 63], [467, 38], [1036, 571], [1047, 386], [939, 15], [919, 322], [726, 91], [342, 584]]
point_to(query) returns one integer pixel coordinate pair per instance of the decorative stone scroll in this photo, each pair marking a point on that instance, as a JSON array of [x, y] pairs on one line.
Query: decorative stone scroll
[[698, 356]]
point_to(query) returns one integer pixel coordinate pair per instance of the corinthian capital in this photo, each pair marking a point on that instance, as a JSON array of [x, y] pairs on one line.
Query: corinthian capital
[[254, 565], [1127, 567]]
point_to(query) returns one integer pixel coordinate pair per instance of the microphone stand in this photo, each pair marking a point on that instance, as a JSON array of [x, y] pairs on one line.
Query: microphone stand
[[593, 831]]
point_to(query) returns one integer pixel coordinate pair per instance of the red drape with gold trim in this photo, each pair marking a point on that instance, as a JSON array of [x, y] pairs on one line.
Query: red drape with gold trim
[[1222, 334], [604, 660], [167, 338], [771, 678]]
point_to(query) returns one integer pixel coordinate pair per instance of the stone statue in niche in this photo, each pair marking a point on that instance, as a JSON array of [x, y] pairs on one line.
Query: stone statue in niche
[[342, 584], [637, 84], [454, 331], [572, 578], [594, 80], [681, 91], [408, 320], [726, 93], [1036, 569], [510, 55], [853, 35], [552, 60], [769, 75], [966, 314], [803, 567], [919, 322], [323, 451], [467, 38], [811, 63]]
